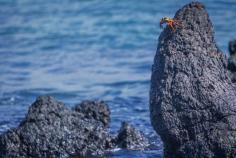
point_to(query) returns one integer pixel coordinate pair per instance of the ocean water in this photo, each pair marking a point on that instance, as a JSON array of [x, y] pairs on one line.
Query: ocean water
[[89, 49]]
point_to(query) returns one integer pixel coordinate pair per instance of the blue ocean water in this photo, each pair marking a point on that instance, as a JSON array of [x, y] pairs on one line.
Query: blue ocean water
[[89, 49]]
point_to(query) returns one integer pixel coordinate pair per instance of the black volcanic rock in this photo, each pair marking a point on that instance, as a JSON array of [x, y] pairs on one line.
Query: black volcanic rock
[[192, 97], [232, 59], [232, 47], [52, 130], [95, 110], [130, 138]]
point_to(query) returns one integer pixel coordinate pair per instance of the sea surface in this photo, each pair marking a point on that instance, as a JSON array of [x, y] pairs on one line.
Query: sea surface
[[76, 50]]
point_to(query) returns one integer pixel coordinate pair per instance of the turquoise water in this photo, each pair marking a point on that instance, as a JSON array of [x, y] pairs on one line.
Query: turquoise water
[[89, 49]]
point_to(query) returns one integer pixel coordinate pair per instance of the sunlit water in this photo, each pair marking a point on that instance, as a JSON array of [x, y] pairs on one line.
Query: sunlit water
[[89, 49]]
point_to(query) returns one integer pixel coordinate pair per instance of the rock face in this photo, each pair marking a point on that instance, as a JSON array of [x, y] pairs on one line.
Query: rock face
[[52, 130], [192, 97], [130, 138], [232, 59]]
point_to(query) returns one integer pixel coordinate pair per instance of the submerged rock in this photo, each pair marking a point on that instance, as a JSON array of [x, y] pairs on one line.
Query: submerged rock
[[52, 130], [192, 97], [130, 138]]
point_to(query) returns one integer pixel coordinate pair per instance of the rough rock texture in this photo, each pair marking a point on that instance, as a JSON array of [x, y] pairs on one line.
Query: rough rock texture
[[232, 59], [95, 110], [130, 138], [52, 130], [192, 98], [232, 48]]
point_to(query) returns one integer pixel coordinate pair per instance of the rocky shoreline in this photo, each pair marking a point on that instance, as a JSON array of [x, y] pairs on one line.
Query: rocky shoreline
[[192, 105], [50, 129]]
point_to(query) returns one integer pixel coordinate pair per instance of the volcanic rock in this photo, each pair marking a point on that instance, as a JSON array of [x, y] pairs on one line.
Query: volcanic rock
[[95, 110], [52, 130], [192, 96], [232, 59], [130, 138]]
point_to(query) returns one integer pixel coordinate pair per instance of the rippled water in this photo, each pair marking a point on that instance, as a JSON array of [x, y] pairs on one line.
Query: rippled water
[[89, 49]]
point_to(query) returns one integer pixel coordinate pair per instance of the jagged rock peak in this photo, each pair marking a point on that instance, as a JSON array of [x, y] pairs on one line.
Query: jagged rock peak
[[192, 97]]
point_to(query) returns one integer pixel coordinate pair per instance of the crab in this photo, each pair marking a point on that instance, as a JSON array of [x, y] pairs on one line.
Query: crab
[[172, 23], [199, 6]]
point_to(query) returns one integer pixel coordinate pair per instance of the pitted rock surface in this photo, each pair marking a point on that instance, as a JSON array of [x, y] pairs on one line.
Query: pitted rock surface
[[52, 130], [232, 59], [130, 138], [97, 110], [192, 97]]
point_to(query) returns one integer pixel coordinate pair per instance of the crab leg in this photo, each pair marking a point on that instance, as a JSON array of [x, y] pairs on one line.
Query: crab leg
[[171, 24]]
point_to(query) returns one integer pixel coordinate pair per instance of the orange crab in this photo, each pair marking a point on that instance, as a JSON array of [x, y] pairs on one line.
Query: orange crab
[[199, 6], [173, 24]]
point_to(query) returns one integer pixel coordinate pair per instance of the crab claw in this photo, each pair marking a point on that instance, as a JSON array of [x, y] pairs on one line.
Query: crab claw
[[161, 23], [199, 6]]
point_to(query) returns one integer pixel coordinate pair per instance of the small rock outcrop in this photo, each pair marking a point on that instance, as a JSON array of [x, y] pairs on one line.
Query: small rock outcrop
[[232, 59], [52, 130], [192, 97], [130, 138]]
